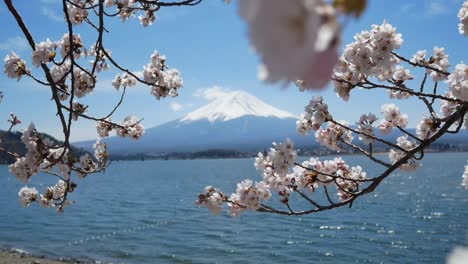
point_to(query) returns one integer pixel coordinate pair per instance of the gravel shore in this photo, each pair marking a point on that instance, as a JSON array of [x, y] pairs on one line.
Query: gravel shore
[[21, 257]]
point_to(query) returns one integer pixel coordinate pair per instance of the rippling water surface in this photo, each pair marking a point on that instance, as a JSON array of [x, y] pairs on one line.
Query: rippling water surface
[[144, 212]]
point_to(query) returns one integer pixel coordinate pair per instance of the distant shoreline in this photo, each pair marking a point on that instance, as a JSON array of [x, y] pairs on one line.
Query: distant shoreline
[[249, 155]]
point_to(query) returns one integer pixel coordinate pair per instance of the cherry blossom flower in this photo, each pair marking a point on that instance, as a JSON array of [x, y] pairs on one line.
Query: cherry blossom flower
[[14, 66], [27, 196], [396, 155], [100, 151], [316, 113], [293, 38], [365, 126], [426, 128], [77, 11], [212, 199], [103, 128], [44, 53], [458, 82], [64, 45], [333, 135], [439, 61], [131, 128], [463, 16]]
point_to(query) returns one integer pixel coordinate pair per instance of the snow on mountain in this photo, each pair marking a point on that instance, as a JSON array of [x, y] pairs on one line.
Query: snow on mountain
[[232, 120], [234, 105]]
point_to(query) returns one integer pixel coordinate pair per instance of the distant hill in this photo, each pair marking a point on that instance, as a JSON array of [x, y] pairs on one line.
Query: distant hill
[[236, 122], [12, 142]]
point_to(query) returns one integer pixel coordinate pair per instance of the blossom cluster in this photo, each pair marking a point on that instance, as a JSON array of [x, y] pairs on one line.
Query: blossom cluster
[[393, 118], [43, 156], [281, 174], [164, 82], [125, 9], [315, 114], [463, 16], [369, 56], [395, 156], [130, 127], [365, 127], [212, 199], [458, 82], [438, 61], [334, 134], [14, 66]]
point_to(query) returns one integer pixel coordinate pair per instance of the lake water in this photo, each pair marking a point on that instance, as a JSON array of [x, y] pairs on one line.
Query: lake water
[[144, 212]]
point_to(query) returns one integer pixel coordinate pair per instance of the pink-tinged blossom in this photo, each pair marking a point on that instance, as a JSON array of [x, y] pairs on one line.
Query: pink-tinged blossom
[[87, 165], [14, 66], [459, 255], [64, 45], [29, 165], [426, 128], [147, 19], [44, 53], [125, 8], [439, 60], [463, 16], [393, 116], [77, 11], [365, 126], [78, 109], [419, 57], [59, 72], [99, 58], [447, 108], [212, 199], [295, 39], [396, 155], [369, 56], [131, 127], [84, 83], [27, 196], [275, 166], [250, 196], [109, 3], [103, 128], [58, 190], [165, 82], [334, 135], [123, 80], [401, 74], [100, 151], [458, 82], [315, 114]]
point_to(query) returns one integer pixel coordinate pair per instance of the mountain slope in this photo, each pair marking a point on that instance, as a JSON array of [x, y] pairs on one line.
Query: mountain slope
[[237, 120], [235, 105]]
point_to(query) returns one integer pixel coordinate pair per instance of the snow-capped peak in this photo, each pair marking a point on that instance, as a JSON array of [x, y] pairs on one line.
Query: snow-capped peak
[[234, 105]]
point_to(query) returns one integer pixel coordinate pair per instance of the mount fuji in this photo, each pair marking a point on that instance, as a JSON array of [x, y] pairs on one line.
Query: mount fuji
[[237, 120]]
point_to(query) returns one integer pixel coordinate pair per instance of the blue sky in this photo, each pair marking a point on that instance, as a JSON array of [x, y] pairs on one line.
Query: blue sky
[[208, 44]]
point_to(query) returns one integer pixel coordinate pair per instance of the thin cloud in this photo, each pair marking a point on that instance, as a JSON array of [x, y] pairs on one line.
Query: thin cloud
[[175, 106], [15, 43], [212, 92], [437, 7], [406, 8], [50, 13]]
